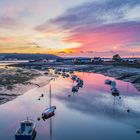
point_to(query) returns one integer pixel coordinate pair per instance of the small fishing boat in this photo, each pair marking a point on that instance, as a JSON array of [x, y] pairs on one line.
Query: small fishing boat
[[80, 84], [50, 111], [59, 73], [55, 71], [71, 71], [75, 89], [42, 95], [108, 82], [67, 75], [113, 84], [74, 77], [78, 79], [26, 130], [63, 70], [63, 74], [115, 91]]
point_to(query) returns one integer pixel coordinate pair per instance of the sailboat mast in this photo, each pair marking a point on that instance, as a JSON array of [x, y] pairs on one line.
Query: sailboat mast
[[51, 128], [50, 95]]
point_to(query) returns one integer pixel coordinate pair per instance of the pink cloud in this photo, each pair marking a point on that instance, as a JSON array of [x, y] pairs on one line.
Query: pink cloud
[[106, 38], [6, 39]]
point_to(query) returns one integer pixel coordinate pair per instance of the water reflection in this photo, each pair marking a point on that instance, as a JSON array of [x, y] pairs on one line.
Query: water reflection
[[95, 102], [87, 115]]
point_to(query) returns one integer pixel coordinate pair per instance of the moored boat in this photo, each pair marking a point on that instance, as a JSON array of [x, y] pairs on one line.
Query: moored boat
[[50, 111], [80, 84], [113, 84], [26, 130], [108, 82], [75, 89], [55, 71], [71, 71], [115, 91], [74, 77]]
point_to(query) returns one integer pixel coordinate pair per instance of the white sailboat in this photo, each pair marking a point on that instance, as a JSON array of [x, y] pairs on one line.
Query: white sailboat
[[50, 111]]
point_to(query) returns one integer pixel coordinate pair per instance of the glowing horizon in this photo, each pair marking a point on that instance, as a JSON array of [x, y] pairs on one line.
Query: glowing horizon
[[74, 28]]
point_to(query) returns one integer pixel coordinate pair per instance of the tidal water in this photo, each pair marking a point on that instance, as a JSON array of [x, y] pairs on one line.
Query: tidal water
[[3, 64], [91, 114]]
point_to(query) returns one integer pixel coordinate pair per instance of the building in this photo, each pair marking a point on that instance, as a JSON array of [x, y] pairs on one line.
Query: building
[[82, 60], [97, 59], [39, 60], [69, 60], [59, 60]]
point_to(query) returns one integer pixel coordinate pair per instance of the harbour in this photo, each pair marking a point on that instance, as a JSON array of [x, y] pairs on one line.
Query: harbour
[[92, 107]]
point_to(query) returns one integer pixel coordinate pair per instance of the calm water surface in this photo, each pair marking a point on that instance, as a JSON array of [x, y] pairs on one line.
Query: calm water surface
[[5, 63], [91, 114]]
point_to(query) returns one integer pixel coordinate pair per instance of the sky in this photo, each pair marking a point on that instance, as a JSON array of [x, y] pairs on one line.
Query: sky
[[70, 28]]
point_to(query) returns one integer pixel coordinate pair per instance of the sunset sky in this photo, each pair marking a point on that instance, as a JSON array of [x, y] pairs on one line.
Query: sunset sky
[[70, 27]]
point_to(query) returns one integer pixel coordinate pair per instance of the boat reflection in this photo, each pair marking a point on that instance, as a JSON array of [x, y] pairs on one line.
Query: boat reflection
[[51, 132], [95, 98]]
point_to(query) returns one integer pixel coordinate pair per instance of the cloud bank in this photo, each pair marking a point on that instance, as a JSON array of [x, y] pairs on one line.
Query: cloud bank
[[101, 26]]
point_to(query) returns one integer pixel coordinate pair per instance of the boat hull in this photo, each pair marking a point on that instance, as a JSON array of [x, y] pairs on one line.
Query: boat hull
[[44, 117], [26, 137], [48, 113]]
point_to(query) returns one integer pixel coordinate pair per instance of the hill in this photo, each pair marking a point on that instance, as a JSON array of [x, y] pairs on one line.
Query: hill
[[17, 56]]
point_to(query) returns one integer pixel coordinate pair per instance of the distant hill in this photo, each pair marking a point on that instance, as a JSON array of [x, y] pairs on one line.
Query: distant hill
[[17, 56]]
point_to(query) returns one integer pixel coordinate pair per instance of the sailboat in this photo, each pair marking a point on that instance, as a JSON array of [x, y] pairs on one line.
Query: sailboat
[[50, 111]]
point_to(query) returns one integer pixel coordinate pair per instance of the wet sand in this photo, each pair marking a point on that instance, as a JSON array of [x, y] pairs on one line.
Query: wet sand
[[15, 82]]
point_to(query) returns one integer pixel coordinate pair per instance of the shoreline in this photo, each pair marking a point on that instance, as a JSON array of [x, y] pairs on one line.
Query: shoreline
[[127, 74], [37, 78], [18, 89]]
